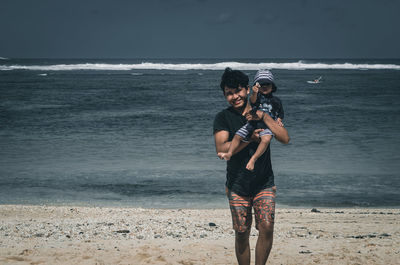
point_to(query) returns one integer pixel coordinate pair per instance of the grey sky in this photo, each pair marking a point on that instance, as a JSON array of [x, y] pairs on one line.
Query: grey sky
[[200, 29]]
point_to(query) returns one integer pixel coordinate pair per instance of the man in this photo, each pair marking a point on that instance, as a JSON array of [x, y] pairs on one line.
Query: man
[[247, 189]]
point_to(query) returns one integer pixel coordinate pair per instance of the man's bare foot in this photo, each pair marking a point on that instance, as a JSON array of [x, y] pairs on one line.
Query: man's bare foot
[[250, 165], [225, 156]]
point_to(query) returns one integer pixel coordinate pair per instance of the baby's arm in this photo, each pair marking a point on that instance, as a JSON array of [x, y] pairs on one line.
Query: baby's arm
[[253, 97]]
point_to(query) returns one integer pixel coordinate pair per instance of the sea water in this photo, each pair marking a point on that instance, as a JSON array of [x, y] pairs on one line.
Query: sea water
[[138, 133]]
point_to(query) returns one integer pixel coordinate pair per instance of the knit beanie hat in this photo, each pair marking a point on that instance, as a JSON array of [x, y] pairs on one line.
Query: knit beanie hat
[[265, 77]]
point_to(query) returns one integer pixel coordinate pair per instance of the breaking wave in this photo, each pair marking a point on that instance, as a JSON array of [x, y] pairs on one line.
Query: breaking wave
[[200, 66]]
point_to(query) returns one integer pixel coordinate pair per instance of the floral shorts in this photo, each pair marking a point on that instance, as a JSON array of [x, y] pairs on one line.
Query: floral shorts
[[241, 208]]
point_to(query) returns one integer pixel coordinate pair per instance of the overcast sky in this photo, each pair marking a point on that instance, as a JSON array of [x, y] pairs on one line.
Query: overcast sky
[[200, 29]]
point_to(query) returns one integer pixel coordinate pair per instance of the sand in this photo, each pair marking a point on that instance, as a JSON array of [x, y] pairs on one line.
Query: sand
[[95, 235]]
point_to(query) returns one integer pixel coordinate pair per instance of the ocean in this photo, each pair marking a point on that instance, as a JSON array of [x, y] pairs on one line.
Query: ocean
[[138, 133]]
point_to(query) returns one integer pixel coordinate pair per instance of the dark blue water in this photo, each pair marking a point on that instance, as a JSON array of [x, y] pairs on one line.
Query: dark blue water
[[143, 137]]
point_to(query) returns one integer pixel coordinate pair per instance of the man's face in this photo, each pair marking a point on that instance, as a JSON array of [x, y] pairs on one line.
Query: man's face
[[236, 97]]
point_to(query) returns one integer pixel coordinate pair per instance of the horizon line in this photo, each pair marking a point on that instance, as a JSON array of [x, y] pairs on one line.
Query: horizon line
[[195, 58]]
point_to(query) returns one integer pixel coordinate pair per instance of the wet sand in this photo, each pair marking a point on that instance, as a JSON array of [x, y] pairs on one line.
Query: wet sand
[[95, 235]]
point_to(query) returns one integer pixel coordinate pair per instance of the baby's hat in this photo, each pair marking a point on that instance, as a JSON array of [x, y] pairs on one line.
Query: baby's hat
[[265, 77]]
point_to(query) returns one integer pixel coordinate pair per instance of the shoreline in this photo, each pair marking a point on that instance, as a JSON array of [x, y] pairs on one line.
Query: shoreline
[[119, 235], [182, 207]]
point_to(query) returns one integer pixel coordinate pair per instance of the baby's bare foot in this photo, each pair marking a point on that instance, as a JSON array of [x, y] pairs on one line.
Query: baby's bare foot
[[250, 165], [225, 156]]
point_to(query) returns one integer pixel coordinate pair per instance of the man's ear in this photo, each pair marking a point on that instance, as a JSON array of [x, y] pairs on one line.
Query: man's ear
[[248, 89]]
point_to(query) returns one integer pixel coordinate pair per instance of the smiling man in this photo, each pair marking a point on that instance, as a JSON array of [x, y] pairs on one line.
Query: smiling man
[[247, 190]]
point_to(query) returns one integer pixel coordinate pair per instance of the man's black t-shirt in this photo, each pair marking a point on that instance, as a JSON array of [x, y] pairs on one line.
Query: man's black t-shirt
[[238, 178]]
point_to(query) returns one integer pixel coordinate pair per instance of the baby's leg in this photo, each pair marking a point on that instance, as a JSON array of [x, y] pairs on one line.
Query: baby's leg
[[262, 146], [234, 145], [241, 134]]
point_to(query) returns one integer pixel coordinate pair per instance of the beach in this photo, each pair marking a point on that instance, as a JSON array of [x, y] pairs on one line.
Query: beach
[[101, 235]]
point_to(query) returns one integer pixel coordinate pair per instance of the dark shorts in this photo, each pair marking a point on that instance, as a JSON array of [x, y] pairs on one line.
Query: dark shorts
[[241, 208]]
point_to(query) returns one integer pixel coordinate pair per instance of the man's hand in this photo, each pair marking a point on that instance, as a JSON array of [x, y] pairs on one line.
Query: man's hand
[[250, 116], [280, 123], [259, 115], [255, 137]]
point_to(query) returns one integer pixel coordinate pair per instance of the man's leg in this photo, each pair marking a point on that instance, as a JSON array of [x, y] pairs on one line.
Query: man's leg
[[241, 219], [264, 212], [264, 242], [242, 247]]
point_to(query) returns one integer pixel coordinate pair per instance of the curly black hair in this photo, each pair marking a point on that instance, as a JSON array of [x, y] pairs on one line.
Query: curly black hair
[[233, 79]]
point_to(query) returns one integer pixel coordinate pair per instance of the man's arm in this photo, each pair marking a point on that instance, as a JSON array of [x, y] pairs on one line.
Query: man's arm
[[222, 144], [281, 134]]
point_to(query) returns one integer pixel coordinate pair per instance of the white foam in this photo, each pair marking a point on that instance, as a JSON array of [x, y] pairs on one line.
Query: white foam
[[300, 65]]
